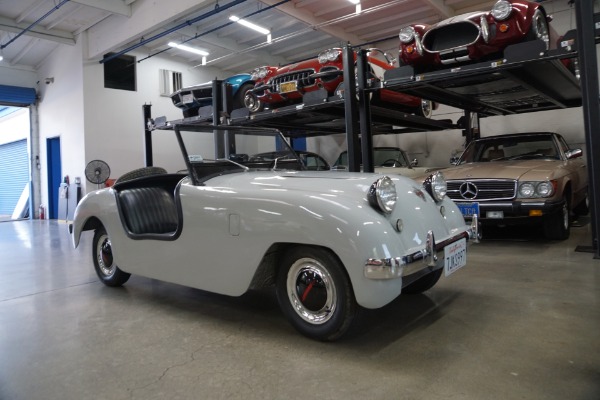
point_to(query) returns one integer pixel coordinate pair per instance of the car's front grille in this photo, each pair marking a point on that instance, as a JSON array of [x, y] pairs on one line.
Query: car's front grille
[[480, 190], [301, 77], [460, 34]]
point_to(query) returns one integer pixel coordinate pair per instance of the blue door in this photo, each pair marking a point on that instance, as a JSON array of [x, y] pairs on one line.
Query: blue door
[[14, 175], [54, 175]]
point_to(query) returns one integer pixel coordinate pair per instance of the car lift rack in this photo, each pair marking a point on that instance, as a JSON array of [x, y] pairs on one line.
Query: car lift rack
[[527, 79]]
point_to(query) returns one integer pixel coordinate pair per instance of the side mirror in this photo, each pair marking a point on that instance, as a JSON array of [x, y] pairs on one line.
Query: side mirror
[[454, 160], [414, 163], [575, 153]]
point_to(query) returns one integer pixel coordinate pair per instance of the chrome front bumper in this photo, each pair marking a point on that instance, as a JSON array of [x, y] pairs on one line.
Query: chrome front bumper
[[390, 268]]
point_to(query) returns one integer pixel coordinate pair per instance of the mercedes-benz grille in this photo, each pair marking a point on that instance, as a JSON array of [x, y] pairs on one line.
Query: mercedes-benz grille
[[482, 189]]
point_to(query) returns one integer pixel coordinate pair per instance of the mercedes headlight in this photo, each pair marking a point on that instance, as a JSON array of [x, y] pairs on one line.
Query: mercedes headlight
[[407, 34], [382, 195], [330, 55], [529, 190], [436, 186], [501, 10]]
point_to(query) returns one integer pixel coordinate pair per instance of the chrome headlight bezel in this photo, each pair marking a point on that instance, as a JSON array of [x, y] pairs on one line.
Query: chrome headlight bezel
[[407, 34], [259, 73], [436, 186], [501, 10], [329, 55], [382, 195], [536, 189]]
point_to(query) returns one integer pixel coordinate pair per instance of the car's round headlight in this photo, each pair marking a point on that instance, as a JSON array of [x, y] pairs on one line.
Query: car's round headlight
[[382, 195], [545, 189], [501, 10], [262, 72], [436, 186], [527, 189], [330, 55], [407, 34]]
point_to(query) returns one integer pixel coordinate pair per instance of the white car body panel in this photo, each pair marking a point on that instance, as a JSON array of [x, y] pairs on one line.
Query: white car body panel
[[231, 221]]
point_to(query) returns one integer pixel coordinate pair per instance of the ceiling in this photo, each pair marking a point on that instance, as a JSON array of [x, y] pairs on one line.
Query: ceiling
[[30, 30]]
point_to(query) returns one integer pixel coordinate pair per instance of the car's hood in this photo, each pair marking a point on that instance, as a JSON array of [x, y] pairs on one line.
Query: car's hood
[[517, 169], [306, 181], [459, 18], [411, 172]]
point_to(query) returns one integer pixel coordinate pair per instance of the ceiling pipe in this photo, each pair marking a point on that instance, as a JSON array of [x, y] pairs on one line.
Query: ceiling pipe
[[43, 17], [217, 10], [198, 35]]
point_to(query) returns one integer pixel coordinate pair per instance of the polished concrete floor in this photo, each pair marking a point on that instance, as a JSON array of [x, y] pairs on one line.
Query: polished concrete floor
[[520, 321]]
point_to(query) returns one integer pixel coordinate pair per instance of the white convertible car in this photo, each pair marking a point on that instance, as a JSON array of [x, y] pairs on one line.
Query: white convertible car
[[331, 242]]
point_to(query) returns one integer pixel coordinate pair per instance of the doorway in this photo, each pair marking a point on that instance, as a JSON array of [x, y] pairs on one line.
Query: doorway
[[54, 175]]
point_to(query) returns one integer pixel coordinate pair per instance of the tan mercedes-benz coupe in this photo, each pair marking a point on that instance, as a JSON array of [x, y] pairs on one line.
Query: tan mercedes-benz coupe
[[521, 178]]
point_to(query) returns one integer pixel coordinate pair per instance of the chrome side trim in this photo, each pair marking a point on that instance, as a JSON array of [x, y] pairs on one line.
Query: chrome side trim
[[396, 267]]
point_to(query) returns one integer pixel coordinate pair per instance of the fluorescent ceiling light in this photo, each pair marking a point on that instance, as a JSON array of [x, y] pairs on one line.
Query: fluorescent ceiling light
[[188, 48], [250, 25], [354, 1]]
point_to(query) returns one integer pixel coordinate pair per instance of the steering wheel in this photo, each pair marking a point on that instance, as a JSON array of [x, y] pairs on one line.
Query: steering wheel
[[391, 163]]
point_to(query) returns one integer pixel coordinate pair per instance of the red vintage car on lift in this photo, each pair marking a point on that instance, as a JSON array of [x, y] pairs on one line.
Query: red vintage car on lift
[[474, 36], [279, 86]]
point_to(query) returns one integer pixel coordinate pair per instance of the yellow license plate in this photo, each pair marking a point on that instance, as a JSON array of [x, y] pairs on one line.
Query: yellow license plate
[[287, 87]]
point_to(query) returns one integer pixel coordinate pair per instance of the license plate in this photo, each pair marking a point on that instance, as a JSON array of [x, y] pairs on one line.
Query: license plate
[[287, 87], [468, 209], [187, 98], [455, 256]]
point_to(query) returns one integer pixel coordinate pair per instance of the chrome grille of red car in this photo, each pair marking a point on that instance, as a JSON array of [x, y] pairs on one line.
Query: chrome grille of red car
[[451, 36], [478, 190], [301, 77]]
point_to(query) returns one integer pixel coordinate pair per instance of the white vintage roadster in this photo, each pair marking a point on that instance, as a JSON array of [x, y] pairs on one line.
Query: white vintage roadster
[[330, 242]]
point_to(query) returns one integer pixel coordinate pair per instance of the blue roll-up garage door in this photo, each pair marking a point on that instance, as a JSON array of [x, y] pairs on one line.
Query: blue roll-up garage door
[[17, 96], [14, 174]]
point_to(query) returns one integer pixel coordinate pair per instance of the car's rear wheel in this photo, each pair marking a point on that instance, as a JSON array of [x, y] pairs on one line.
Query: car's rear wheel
[[557, 226], [426, 108], [423, 284], [238, 98], [539, 28], [315, 293], [104, 264]]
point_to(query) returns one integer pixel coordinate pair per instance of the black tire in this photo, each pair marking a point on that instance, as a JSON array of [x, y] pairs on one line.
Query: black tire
[[426, 109], [315, 294], [423, 284], [539, 28], [106, 269], [583, 208], [557, 226], [140, 172], [238, 97]]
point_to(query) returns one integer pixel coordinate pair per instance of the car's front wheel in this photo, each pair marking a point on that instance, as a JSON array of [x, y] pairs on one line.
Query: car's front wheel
[[315, 294], [104, 264], [539, 28], [557, 226]]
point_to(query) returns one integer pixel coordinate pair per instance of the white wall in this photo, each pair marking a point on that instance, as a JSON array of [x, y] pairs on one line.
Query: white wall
[[60, 108], [114, 125], [17, 76]]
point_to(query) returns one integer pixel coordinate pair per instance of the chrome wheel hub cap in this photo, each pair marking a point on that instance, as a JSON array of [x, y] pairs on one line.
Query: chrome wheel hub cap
[[311, 291], [104, 257]]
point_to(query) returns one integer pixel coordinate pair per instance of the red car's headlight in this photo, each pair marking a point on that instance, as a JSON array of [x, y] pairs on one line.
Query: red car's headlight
[[501, 10], [407, 34]]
